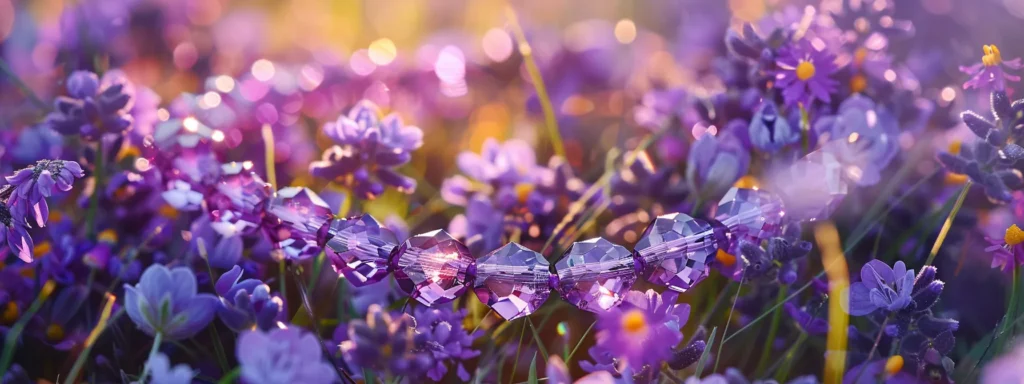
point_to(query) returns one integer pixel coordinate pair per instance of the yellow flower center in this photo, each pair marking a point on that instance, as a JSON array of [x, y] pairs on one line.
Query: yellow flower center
[[893, 365], [992, 56], [858, 83], [10, 313], [42, 249], [954, 147], [168, 211], [634, 321], [55, 332], [747, 181], [1014, 235], [386, 350], [804, 70], [523, 191], [725, 258], [859, 56]]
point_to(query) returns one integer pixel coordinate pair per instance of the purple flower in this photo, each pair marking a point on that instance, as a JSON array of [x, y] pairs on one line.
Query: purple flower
[[989, 162], [162, 372], [447, 340], [15, 233], [246, 304], [558, 373], [862, 136], [387, 343], [33, 184], [1008, 251], [881, 287], [641, 182], [367, 149], [734, 376], [989, 73], [90, 110], [1006, 368], [166, 301], [282, 356], [644, 329], [804, 74], [55, 325], [715, 163], [867, 19], [770, 131]]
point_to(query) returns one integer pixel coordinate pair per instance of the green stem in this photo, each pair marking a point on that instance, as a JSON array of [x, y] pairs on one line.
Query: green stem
[[772, 329], [231, 377], [783, 371], [725, 332], [14, 334], [948, 223], [152, 352], [97, 190], [538, 82]]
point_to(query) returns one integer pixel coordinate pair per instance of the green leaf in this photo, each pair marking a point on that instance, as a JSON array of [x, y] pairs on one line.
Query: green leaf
[[707, 352], [532, 379]]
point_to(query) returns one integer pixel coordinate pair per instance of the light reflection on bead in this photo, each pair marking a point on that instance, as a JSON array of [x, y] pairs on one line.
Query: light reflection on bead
[[433, 267], [594, 274], [512, 280]]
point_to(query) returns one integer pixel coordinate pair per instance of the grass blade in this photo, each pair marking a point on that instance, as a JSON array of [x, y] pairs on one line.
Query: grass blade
[[707, 352]]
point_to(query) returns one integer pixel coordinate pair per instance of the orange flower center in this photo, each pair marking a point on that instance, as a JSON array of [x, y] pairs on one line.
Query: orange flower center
[[992, 56], [634, 321], [804, 70], [11, 313], [1014, 235], [55, 332]]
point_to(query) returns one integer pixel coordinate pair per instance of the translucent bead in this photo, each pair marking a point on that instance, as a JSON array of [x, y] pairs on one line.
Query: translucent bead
[[293, 219], [676, 250], [594, 274], [433, 268], [812, 187], [239, 198], [750, 214], [359, 247], [512, 280]]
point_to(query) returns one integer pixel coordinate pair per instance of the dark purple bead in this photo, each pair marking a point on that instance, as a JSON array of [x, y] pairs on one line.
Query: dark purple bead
[[750, 214], [239, 198], [359, 247], [678, 250], [433, 268], [512, 280], [812, 187], [595, 274], [294, 218]]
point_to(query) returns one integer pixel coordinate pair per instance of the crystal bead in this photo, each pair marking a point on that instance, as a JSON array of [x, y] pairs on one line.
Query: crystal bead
[[676, 250], [294, 218], [512, 280], [750, 214], [359, 247], [812, 187], [594, 274], [239, 197], [433, 267]]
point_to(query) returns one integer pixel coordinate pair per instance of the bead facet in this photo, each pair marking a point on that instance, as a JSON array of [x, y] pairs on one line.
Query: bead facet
[[812, 187], [677, 250], [512, 280], [750, 214], [433, 267], [239, 197], [359, 247], [294, 217], [594, 274]]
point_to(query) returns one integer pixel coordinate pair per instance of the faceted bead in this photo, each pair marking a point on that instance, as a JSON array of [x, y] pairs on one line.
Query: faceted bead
[[750, 214], [433, 267], [677, 250], [239, 197], [594, 274], [812, 187], [359, 247], [294, 218], [512, 280]]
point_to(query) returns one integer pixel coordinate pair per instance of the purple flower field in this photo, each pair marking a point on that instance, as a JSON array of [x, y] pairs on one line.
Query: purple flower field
[[526, 191]]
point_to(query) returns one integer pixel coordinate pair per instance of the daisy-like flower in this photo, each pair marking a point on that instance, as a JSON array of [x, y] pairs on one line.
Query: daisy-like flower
[[804, 74], [1009, 250], [644, 330], [990, 72]]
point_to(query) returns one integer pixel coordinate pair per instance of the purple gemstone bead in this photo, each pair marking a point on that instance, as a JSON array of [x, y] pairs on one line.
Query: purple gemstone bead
[[359, 247], [677, 250], [512, 280], [433, 267], [239, 197], [812, 187], [750, 214], [294, 218], [595, 274]]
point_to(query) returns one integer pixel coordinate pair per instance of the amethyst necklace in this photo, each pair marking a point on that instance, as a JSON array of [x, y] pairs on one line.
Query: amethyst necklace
[[676, 250]]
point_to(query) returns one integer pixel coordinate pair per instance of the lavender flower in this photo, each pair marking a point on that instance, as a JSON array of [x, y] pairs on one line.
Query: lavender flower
[[776, 263], [989, 162], [643, 331], [862, 136], [881, 287], [387, 343], [90, 110], [989, 73], [715, 163], [162, 372], [367, 149], [165, 301], [15, 233], [282, 356], [33, 184], [804, 74], [246, 304], [447, 341]]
